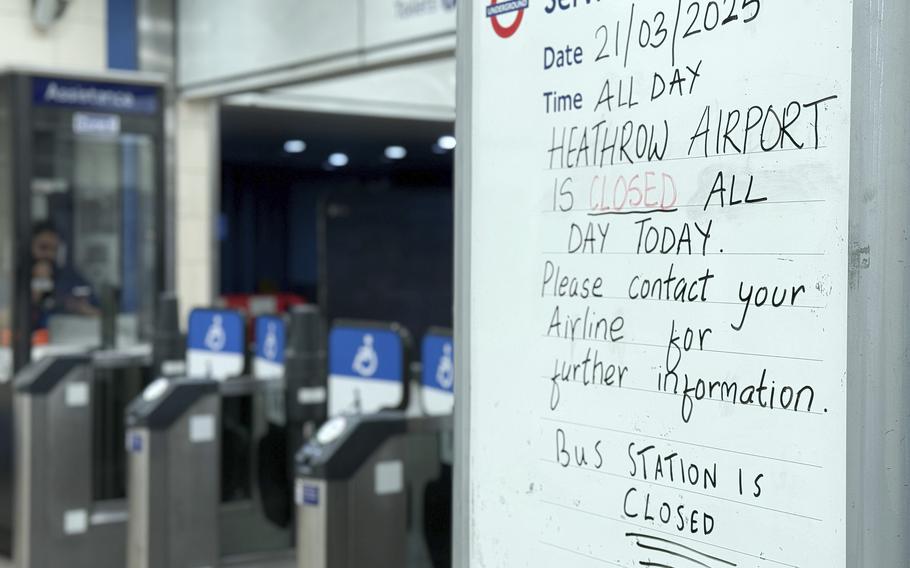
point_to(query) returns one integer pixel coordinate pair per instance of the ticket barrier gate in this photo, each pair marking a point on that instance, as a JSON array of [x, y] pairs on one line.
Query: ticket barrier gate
[[254, 517], [173, 454], [372, 491], [197, 499], [375, 489], [71, 507], [210, 473], [185, 511]]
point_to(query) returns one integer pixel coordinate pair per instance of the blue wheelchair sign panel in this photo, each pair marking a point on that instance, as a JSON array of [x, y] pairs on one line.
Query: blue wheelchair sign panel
[[366, 370], [438, 378], [270, 343], [215, 344]]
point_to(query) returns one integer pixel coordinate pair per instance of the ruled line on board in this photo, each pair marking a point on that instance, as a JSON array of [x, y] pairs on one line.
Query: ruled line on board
[[631, 212], [629, 253], [659, 531], [706, 302], [684, 490], [582, 554], [680, 442], [709, 302], [679, 394], [699, 206], [726, 352], [685, 158], [656, 346]]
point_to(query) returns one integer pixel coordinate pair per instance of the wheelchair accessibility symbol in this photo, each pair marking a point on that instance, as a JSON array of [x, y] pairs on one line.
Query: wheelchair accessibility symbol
[[366, 361], [445, 374], [215, 337]]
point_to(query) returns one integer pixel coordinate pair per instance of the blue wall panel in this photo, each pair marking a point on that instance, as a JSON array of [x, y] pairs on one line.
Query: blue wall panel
[[122, 35]]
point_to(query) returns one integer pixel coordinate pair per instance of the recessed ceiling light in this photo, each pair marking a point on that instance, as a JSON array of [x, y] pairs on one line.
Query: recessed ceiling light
[[396, 152], [446, 142], [294, 146], [338, 160]]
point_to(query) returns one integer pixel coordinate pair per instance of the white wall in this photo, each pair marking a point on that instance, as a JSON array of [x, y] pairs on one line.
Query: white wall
[[77, 42], [231, 42], [418, 91], [221, 38]]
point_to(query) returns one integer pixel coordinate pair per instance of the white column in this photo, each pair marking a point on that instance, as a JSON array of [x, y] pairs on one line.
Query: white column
[[196, 202], [77, 42]]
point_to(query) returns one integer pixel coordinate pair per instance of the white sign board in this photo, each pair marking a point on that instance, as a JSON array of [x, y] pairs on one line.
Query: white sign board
[[658, 282]]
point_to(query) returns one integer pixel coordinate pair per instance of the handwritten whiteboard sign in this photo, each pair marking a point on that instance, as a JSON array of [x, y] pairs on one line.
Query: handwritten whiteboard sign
[[658, 278]]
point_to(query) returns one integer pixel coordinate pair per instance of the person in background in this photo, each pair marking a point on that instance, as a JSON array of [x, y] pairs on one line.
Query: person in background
[[55, 288], [42, 293]]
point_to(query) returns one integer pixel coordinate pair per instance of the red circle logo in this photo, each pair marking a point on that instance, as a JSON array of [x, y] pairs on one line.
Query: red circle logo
[[502, 31]]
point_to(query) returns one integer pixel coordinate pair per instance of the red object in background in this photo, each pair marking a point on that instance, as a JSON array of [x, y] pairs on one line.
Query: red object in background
[[39, 337], [255, 305]]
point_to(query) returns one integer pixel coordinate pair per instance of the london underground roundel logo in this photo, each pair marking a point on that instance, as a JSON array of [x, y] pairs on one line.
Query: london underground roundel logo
[[499, 11]]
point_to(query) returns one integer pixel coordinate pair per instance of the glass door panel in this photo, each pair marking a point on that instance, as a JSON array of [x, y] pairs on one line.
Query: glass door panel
[[93, 230]]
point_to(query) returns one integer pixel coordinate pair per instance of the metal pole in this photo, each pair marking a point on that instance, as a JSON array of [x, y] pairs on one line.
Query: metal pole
[[305, 372], [878, 499], [461, 493], [167, 341]]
